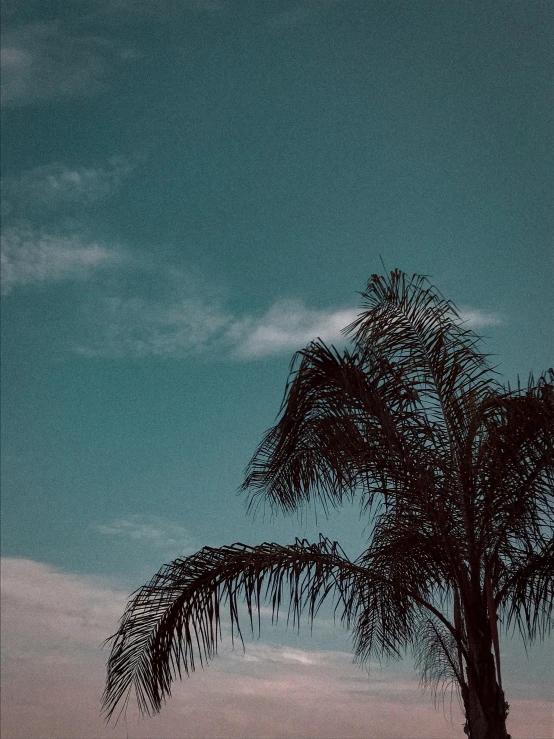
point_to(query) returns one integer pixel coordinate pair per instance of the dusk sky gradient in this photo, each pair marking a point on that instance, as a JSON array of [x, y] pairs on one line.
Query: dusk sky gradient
[[191, 191]]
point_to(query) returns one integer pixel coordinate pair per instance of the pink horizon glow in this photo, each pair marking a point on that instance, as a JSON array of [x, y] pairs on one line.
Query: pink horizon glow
[[53, 675]]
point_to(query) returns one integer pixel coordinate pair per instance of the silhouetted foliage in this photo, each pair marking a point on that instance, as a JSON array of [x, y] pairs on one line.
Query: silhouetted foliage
[[456, 472]]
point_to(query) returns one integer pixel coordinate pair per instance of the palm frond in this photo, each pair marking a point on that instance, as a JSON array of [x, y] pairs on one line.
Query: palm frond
[[311, 451], [408, 547], [407, 565], [515, 465], [348, 422], [526, 596], [409, 322], [436, 658], [175, 621]]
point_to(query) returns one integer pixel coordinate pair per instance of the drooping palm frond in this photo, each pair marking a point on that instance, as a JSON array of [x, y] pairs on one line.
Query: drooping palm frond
[[175, 620], [436, 658], [311, 452], [514, 511], [348, 422], [408, 548], [414, 569], [526, 596]]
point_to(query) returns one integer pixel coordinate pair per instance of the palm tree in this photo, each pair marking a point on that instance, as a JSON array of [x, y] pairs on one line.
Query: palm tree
[[455, 473]]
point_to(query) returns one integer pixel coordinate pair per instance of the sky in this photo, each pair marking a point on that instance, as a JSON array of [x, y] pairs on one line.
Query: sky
[[191, 191]]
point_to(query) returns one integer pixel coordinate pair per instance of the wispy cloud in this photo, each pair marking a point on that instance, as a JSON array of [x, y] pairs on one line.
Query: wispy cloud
[[42, 209], [290, 325], [287, 326], [54, 186], [186, 321], [31, 257], [150, 531], [264, 653], [476, 319], [42, 62], [182, 319], [139, 327], [199, 324]]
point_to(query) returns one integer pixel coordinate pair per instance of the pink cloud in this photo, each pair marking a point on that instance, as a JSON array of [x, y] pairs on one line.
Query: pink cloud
[[53, 623]]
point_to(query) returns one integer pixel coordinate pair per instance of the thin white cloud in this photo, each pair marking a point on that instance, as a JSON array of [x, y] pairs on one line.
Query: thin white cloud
[[56, 185], [195, 324], [153, 531], [34, 249], [31, 257], [180, 325], [260, 652], [287, 326], [477, 319], [41, 62]]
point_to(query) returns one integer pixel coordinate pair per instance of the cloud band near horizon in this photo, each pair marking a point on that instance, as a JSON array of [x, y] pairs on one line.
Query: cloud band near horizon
[[53, 674]]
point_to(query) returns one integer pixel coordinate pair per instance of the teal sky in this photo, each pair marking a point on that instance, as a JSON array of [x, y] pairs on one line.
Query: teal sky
[[193, 189]]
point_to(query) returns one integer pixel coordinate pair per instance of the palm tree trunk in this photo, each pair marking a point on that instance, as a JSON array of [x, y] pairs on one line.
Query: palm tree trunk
[[487, 721], [487, 708]]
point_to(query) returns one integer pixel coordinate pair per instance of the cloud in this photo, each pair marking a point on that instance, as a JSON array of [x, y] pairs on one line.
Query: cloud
[[140, 327], [41, 62], [51, 186], [199, 324], [45, 609], [33, 248], [188, 321], [287, 326], [153, 531], [31, 257], [53, 675], [264, 653], [477, 319]]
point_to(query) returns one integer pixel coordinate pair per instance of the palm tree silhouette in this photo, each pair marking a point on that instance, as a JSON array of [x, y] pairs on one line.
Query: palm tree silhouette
[[454, 470]]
